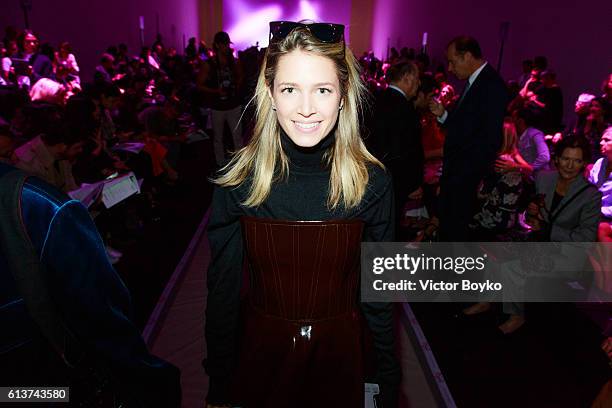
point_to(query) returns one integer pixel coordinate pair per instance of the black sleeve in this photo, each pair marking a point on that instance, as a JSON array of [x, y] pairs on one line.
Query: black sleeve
[[379, 315], [415, 157], [223, 302], [497, 102], [398, 133], [96, 306], [494, 103]]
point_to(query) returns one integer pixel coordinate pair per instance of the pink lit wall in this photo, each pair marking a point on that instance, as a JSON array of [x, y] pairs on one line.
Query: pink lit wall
[[91, 25], [246, 21]]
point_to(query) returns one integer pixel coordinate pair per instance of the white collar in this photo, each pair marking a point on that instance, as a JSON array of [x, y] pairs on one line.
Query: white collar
[[398, 90], [475, 74]]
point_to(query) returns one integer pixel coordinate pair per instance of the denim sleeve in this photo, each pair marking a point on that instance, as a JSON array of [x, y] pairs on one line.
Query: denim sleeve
[[542, 153], [96, 306]]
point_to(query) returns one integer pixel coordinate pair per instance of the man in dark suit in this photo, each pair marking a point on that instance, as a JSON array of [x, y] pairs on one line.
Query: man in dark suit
[[474, 135], [397, 134]]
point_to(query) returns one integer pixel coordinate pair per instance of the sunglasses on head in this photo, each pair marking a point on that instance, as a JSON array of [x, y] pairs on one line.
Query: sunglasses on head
[[324, 32]]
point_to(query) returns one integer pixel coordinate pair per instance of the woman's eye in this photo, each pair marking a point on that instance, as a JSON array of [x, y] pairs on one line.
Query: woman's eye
[[287, 90], [324, 90]]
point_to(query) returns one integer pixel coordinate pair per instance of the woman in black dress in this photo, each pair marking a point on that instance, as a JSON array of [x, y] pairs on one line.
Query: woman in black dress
[[295, 203]]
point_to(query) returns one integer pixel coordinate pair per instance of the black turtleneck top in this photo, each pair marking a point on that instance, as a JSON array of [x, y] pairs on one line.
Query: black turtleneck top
[[301, 196]]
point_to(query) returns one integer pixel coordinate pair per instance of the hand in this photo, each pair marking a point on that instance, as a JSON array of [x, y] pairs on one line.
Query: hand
[[416, 194], [503, 165], [557, 137], [533, 209], [206, 405], [172, 174], [118, 77], [534, 223], [429, 231], [532, 97], [436, 108], [533, 217], [606, 346]]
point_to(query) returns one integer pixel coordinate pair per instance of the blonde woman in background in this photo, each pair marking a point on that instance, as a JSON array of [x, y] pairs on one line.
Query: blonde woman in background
[[296, 202]]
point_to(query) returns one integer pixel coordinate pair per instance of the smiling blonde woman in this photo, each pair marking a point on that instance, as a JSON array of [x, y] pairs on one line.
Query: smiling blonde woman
[[296, 203]]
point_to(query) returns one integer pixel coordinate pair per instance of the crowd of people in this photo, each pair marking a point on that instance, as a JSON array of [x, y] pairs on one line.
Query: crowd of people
[[534, 132], [543, 176], [494, 162], [133, 113]]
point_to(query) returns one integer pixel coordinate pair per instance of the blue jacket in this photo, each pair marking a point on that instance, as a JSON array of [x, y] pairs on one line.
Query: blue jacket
[[91, 297]]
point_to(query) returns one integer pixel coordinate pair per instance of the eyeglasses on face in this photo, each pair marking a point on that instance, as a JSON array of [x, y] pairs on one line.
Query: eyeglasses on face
[[324, 32]]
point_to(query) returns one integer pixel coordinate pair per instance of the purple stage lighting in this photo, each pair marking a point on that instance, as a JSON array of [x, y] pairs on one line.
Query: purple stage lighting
[[383, 16], [247, 21]]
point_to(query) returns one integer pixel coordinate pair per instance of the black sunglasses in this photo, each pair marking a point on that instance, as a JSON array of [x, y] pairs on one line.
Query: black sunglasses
[[324, 32]]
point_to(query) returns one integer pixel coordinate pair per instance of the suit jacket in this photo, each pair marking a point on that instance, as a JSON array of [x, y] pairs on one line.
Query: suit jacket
[[475, 130], [578, 222], [397, 138]]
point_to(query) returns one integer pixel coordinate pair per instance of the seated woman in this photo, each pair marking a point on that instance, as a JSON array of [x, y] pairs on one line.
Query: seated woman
[[596, 123], [296, 202], [531, 142], [568, 211], [571, 206], [499, 196], [499, 193]]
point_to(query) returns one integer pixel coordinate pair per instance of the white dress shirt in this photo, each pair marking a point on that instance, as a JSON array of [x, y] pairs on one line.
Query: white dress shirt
[[398, 90], [470, 81]]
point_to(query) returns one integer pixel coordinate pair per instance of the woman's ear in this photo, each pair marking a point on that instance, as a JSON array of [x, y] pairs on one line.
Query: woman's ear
[[271, 97]]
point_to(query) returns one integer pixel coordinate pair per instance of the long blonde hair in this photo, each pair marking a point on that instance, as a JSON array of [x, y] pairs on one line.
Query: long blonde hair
[[263, 160]]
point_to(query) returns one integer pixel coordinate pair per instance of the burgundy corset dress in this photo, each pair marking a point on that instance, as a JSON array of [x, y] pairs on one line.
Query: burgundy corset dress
[[301, 341]]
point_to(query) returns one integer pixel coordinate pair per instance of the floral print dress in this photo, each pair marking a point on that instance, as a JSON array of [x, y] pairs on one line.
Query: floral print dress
[[499, 196]]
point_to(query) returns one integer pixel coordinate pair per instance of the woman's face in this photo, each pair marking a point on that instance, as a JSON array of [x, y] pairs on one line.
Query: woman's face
[[11, 49], [596, 109], [571, 163], [306, 95], [30, 44], [606, 144]]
